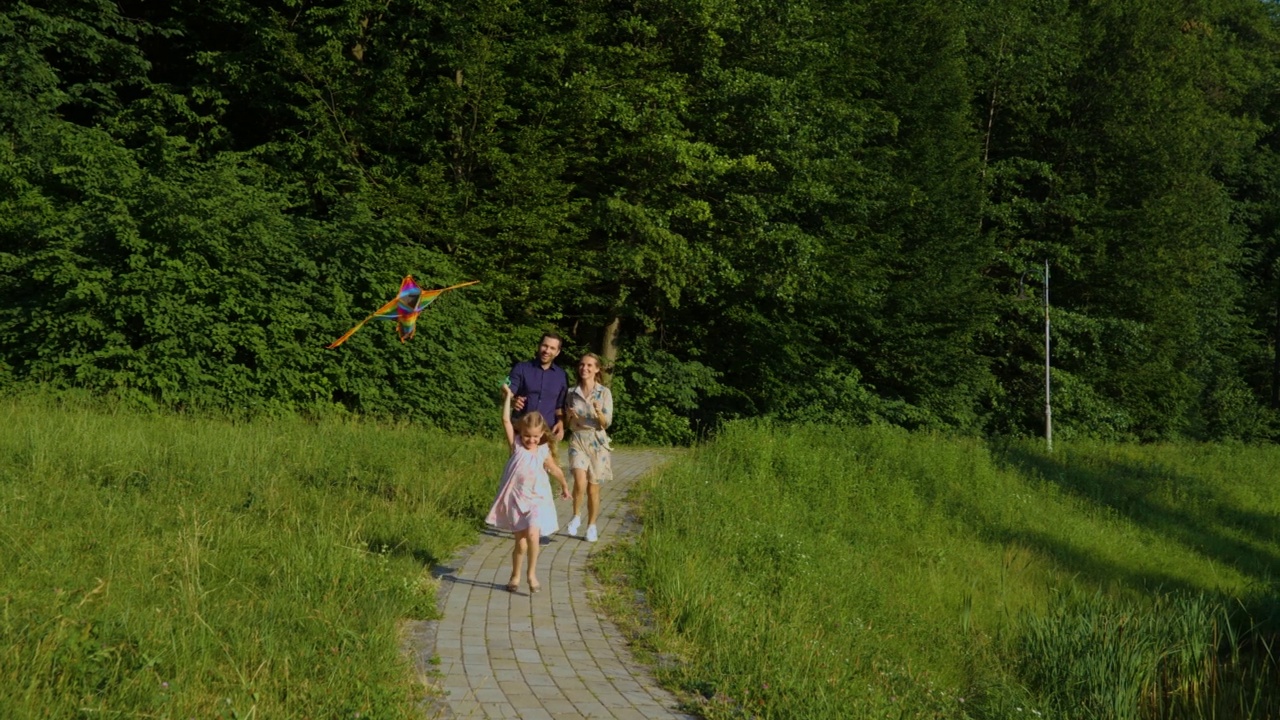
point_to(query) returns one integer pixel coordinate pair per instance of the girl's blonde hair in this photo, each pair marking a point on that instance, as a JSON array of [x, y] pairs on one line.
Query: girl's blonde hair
[[534, 422]]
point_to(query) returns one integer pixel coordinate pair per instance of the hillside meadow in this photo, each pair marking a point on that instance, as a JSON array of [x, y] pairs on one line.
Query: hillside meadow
[[170, 566], [810, 571], [160, 566]]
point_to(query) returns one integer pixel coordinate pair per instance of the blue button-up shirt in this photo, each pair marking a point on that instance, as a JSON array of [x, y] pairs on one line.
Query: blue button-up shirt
[[543, 390]]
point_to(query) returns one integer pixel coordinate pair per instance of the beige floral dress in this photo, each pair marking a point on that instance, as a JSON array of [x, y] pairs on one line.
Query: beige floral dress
[[589, 447]]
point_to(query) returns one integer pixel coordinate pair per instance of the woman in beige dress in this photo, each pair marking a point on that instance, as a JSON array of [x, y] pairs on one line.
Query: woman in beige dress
[[589, 409]]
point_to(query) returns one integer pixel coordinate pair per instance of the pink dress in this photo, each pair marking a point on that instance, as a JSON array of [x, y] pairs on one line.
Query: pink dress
[[525, 497]]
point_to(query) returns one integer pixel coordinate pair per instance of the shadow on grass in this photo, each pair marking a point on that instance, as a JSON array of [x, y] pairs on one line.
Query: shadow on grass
[[1099, 571], [1209, 526], [400, 547], [1240, 677]]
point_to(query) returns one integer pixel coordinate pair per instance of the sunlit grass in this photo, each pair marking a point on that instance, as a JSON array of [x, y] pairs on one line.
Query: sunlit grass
[[169, 567], [871, 572]]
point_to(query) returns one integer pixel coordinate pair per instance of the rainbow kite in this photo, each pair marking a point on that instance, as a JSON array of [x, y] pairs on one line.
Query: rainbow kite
[[405, 309]]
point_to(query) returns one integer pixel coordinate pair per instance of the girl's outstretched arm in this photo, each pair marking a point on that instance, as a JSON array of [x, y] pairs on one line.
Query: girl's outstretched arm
[[506, 417], [553, 468]]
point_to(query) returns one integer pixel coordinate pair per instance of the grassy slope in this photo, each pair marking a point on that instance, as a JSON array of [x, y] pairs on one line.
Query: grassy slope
[[161, 567], [809, 572], [174, 568]]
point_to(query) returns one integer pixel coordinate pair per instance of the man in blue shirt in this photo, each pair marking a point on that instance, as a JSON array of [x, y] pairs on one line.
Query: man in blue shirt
[[539, 384]]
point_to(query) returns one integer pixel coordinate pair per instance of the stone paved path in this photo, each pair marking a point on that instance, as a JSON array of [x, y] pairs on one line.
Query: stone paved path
[[545, 656]]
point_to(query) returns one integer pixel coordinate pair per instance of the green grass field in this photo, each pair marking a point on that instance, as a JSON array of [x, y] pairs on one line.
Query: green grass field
[[161, 567], [170, 567], [806, 572]]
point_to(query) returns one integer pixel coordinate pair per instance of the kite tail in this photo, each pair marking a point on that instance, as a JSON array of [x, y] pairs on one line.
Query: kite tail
[[455, 287], [348, 334], [353, 330], [433, 293]]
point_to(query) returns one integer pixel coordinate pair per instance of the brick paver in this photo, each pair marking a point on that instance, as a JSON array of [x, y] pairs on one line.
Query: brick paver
[[505, 655]]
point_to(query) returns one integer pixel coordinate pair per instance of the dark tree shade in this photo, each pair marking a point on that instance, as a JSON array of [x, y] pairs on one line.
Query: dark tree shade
[[828, 210]]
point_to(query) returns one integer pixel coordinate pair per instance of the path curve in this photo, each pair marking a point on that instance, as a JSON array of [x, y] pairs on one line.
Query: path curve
[[547, 656]]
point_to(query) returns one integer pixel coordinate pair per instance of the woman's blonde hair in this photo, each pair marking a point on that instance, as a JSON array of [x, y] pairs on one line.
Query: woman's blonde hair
[[600, 368], [534, 422]]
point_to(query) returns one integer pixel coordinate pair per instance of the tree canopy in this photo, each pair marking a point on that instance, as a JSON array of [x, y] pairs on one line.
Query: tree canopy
[[816, 210]]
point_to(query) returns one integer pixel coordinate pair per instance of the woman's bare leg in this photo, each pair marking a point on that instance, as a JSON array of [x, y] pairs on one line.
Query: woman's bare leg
[[593, 503], [579, 490]]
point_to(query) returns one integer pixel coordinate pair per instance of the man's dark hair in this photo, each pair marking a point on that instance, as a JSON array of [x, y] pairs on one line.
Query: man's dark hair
[[553, 336]]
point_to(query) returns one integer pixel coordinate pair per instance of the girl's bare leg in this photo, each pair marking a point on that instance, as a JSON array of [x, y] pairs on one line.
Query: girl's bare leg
[[517, 557], [533, 559]]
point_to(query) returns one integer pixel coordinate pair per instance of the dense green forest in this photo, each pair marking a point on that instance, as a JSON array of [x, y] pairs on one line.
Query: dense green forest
[[817, 209]]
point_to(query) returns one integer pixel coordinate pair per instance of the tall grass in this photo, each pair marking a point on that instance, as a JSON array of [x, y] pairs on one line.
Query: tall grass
[[167, 567], [1180, 655], [815, 572]]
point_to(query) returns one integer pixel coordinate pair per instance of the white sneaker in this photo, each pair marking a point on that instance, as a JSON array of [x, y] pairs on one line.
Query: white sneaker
[[573, 526], [592, 535]]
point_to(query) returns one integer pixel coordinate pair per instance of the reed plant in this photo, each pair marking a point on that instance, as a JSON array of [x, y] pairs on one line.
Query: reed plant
[[1174, 655], [814, 571], [161, 566]]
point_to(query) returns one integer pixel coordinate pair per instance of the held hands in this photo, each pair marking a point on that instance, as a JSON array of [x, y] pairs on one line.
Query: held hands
[[506, 394], [519, 401]]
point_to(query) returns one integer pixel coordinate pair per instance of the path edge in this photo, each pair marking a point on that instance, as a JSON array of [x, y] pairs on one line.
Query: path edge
[[417, 638]]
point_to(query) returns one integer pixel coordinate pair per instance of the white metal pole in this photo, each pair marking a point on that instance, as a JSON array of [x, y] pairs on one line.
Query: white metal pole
[[1048, 408]]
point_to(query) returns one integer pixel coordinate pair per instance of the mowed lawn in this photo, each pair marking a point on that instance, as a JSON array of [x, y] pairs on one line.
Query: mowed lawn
[[157, 566], [804, 572]]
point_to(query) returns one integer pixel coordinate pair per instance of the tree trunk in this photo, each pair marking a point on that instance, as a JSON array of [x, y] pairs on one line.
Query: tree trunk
[[609, 347]]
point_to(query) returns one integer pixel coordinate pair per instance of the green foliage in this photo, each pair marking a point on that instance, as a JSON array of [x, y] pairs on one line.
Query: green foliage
[[657, 393], [1127, 190], [829, 209]]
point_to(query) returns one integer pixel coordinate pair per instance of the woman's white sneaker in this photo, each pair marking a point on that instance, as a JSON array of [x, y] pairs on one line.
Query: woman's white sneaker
[[592, 535], [573, 526]]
